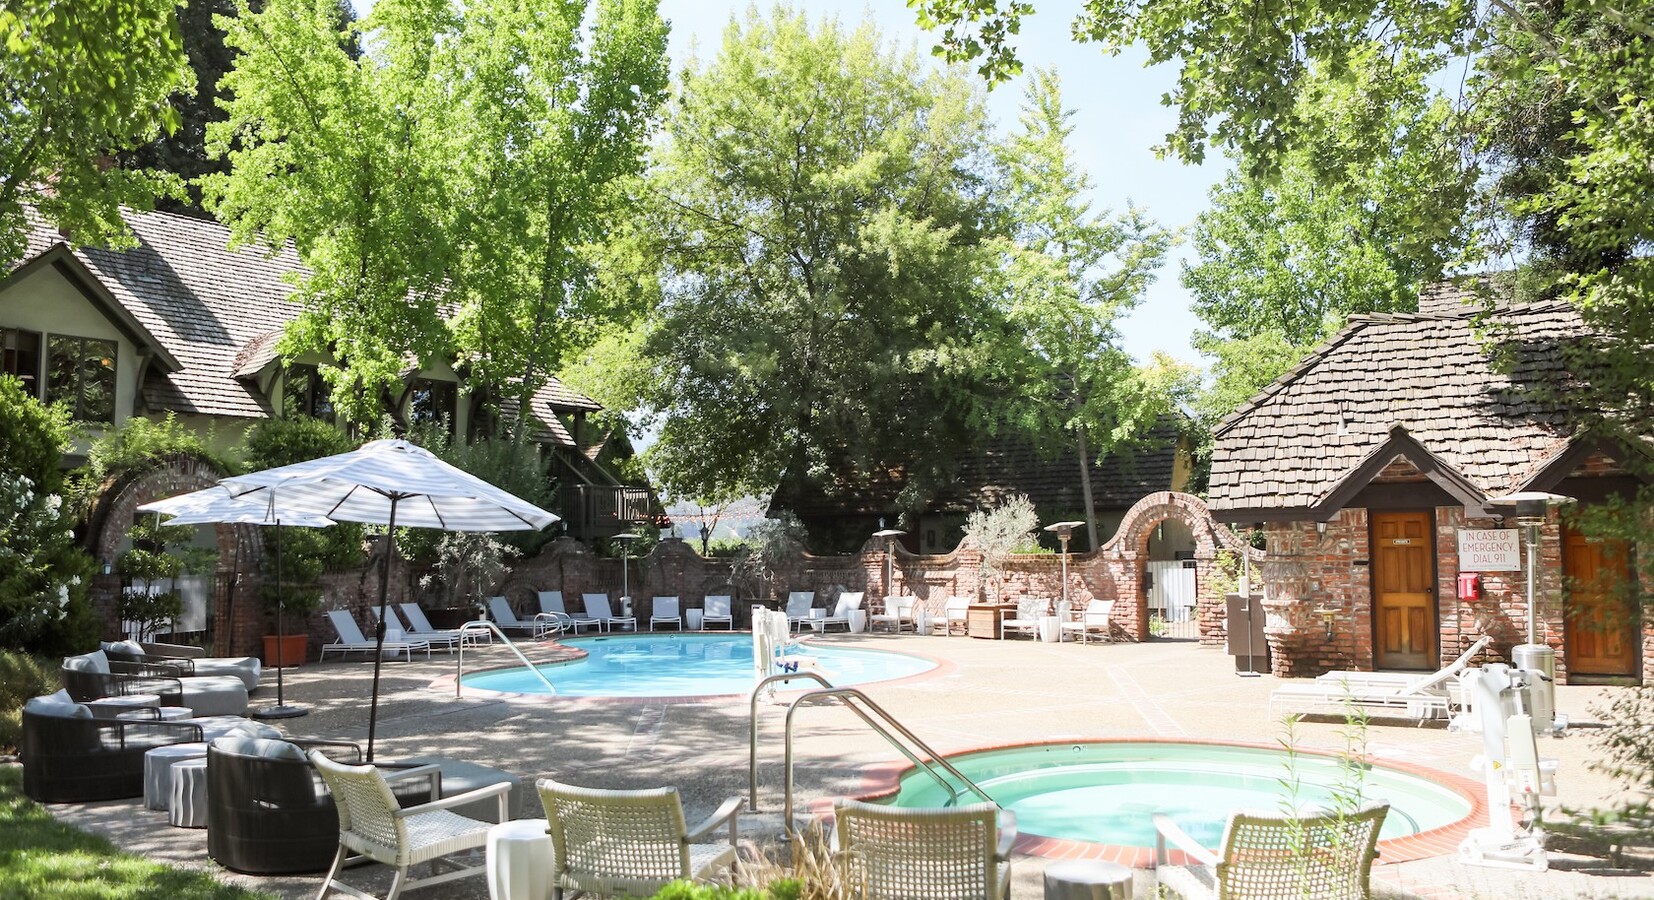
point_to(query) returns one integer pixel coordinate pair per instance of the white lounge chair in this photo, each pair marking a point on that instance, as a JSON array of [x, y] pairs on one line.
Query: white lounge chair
[[351, 640], [898, 611], [1419, 696], [373, 825], [664, 611], [420, 627], [393, 625], [847, 603], [597, 609], [631, 843], [1325, 856], [956, 612], [1094, 620], [716, 610], [1024, 618], [506, 619], [926, 854], [798, 609], [552, 609]]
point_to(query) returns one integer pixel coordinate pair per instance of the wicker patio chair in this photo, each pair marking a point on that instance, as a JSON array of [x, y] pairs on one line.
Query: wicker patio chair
[[1325, 856], [71, 757], [372, 825], [270, 813], [958, 853], [630, 843]]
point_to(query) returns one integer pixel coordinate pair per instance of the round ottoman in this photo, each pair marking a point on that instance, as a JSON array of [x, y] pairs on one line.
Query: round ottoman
[[187, 807], [1087, 879], [158, 771], [519, 860]]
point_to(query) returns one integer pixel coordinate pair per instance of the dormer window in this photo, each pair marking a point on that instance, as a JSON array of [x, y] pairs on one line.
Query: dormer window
[[80, 373], [433, 401], [305, 393]]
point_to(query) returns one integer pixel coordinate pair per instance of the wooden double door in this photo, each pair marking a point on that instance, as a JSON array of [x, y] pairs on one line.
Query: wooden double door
[[1403, 565], [1601, 615]]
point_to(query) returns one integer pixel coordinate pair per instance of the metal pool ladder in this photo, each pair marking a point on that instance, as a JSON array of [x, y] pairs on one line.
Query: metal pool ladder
[[483, 626], [883, 724]]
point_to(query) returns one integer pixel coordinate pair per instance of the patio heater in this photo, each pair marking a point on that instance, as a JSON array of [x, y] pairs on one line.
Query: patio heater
[[625, 538], [1532, 510], [889, 535], [1064, 531]]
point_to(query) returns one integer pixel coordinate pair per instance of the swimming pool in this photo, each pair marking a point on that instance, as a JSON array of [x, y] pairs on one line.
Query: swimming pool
[[687, 665], [1106, 792]]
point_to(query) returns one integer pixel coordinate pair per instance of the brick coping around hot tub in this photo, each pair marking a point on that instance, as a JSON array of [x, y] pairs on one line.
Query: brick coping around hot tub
[[939, 667], [883, 779]]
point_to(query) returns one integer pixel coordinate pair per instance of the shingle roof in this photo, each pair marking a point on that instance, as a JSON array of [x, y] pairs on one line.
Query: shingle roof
[[1430, 375], [216, 310]]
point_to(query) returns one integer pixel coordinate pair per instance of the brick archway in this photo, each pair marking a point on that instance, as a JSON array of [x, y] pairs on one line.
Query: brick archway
[[1130, 544], [116, 507]]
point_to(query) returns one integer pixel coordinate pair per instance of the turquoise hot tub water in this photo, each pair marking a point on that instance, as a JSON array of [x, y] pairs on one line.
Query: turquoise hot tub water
[[687, 665], [1106, 792]]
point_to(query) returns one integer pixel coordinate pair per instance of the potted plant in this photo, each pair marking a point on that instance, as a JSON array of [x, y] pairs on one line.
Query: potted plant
[[292, 591]]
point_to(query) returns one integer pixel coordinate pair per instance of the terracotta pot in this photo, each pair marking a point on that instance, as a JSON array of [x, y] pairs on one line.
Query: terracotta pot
[[294, 648]]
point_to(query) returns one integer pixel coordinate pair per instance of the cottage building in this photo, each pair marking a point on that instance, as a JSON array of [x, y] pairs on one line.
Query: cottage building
[[1369, 463]]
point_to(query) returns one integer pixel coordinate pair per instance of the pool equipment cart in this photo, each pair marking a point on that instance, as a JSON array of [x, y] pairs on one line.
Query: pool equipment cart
[[1511, 768]]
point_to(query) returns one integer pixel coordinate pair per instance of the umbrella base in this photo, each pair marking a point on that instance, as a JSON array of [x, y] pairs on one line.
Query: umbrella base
[[281, 712]]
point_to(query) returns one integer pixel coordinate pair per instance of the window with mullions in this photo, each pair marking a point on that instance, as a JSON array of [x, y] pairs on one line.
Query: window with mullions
[[80, 373], [305, 393], [20, 357], [433, 401]]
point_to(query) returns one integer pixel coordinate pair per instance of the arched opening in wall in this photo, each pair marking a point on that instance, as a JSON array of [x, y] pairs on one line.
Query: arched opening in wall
[[1169, 580]]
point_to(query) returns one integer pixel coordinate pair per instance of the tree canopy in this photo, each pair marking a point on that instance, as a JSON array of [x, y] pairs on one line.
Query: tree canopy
[[82, 80]]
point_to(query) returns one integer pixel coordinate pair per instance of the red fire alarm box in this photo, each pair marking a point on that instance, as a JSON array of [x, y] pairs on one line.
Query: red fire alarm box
[[1470, 586]]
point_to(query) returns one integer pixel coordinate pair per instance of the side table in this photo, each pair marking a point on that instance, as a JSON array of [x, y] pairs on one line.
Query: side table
[[1087, 879], [858, 621], [692, 619], [187, 807], [519, 860], [158, 771]]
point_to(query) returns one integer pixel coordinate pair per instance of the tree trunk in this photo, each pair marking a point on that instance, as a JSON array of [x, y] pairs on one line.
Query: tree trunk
[[1085, 490]]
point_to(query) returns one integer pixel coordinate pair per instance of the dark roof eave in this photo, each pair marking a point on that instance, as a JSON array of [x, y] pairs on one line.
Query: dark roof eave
[[1400, 443]]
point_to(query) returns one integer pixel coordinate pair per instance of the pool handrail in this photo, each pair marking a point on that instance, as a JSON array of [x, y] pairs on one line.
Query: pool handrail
[[846, 695], [487, 627]]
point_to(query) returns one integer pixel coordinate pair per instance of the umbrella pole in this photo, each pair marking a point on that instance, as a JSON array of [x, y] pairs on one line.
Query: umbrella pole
[[281, 710], [379, 649]]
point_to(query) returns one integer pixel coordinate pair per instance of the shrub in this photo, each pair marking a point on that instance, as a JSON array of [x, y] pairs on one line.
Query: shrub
[[21, 676], [998, 532], [139, 445], [305, 552], [43, 574]]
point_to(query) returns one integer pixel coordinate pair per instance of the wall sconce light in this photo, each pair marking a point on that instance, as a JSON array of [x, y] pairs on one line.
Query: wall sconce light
[[1320, 528], [1327, 614]]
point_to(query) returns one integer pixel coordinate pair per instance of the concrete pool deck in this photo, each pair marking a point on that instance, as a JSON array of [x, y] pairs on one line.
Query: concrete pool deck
[[990, 693]]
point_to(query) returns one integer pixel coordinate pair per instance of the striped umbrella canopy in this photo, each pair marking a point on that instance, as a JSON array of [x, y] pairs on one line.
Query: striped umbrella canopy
[[217, 506], [391, 483]]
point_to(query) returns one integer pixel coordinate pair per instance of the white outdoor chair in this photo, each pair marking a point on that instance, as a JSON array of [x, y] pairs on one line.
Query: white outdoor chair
[[664, 610], [956, 612], [1426, 695], [716, 610], [898, 611], [798, 608], [552, 608], [1093, 619], [393, 624], [848, 602], [1325, 856], [373, 826], [351, 640], [506, 619], [420, 627], [1024, 618], [958, 853], [631, 843], [597, 609]]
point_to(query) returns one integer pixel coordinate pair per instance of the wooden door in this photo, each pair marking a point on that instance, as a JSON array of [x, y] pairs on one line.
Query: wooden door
[[1601, 616], [1404, 590]]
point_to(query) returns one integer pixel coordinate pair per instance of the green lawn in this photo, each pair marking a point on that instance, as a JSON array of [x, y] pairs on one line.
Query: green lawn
[[41, 857]]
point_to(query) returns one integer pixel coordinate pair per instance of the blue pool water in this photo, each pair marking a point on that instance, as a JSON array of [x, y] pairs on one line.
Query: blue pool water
[[687, 665], [1106, 792]]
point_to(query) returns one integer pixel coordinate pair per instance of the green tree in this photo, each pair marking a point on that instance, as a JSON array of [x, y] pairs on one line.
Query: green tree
[[43, 574], [82, 80], [821, 208], [1071, 272]]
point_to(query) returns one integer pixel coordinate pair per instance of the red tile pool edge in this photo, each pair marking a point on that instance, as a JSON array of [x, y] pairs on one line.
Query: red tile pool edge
[[881, 780], [446, 682]]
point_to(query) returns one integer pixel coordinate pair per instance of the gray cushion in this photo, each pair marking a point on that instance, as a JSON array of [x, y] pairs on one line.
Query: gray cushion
[[50, 705], [256, 730], [215, 695], [130, 648], [95, 661], [260, 747]]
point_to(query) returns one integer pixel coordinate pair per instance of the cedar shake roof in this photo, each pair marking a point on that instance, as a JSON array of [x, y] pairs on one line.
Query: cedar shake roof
[[218, 311], [1420, 385]]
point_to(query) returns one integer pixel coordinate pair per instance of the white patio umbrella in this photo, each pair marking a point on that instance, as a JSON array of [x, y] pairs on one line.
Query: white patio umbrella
[[392, 483], [217, 506]]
